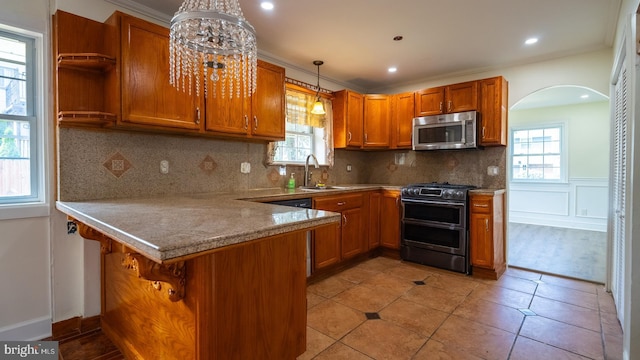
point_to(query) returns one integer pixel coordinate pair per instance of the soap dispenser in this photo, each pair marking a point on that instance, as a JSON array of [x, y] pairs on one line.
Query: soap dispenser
[[292, 182]]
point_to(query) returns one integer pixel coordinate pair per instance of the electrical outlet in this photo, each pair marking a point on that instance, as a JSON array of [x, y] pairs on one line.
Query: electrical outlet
[[349, 168], [164, 167], [245, 167]]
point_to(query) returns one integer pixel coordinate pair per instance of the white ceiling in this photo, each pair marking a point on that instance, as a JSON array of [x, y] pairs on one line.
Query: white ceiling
[[442, 38]]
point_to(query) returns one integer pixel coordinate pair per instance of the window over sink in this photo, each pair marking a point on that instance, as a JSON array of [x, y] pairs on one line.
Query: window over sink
[[306, 133]]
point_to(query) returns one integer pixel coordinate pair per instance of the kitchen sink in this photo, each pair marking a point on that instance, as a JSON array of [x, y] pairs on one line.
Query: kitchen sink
[[323, 188]]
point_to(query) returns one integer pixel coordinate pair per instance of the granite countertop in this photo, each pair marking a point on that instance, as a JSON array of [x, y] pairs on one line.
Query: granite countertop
[[170, 227], [487, 191]]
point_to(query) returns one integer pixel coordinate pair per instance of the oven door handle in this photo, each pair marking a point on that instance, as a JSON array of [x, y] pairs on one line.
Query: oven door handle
[[428, 202]]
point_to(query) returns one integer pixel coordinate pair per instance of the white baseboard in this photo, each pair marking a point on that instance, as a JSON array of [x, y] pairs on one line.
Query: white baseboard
[[35, 329]]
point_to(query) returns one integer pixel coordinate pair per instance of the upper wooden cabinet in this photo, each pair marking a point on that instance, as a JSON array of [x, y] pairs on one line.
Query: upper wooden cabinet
[[494, 98], [86, 84], [447, 99], [260, 115], [147, 97], [377, 120], [116, 74], [268, 103], [402, 113], [348, 116]]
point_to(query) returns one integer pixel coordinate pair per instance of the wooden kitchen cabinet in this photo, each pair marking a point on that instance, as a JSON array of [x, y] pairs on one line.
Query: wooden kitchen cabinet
[[348, 119], [447, 99], [86, 84], [259, 116], [402, 113], [390, 218], [377, 120], [147, 97], [374, 219], [353, 234], [494, 97], [486, 234], [326, 246]]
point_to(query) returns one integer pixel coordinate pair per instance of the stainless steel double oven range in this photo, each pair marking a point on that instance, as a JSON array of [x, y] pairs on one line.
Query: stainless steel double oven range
[[435, 225]]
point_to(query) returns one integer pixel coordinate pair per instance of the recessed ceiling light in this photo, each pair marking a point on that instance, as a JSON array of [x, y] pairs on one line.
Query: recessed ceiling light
[[267, 5], [531, 41], [392, 69], [585, 96]]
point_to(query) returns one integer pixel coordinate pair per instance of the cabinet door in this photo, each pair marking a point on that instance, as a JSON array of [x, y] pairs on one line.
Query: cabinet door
[[429, 101], [390, 218], [462, 97], [377, 118], [402, 120], [268, 103], [353, 232], [355, 119], [226, 114], [374, 219], [147, 97], [493, 110], [481, 238], [326, 246]]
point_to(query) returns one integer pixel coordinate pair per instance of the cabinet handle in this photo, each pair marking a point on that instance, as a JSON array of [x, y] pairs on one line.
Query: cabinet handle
[[481, 205], [440, 106], [449, 106], [344, 220], [486, 225], [483, 132], [246, 122], [255, 120], [365, 137], [349, 136], [198, 116], [340, 203]]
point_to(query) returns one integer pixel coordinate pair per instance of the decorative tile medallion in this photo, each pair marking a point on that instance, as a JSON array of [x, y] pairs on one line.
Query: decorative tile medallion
[[419, 282], [208, 165], [391, 166], [117, 164], [274, 176]]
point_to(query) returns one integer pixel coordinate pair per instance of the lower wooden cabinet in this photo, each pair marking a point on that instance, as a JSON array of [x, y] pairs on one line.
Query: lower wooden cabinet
[[390, 217], [349, 238], [486, 234], [374, 219]]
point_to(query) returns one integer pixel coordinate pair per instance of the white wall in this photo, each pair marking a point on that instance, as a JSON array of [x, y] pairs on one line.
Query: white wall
[[25, 265]]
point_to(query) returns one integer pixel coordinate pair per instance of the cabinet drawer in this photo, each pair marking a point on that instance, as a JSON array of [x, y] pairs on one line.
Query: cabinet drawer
[[481, 204], [338, 203]]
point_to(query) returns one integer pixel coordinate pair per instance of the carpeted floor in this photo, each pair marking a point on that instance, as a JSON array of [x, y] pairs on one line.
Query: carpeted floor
[[574, 253]]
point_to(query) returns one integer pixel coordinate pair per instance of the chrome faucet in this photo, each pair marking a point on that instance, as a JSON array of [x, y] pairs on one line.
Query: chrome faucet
[[307, 173]]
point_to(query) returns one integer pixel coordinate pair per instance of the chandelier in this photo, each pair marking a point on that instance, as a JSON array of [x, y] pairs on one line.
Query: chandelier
[[212, 34]]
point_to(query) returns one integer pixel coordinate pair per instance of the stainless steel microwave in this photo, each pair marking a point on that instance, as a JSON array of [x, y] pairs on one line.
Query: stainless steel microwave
[[447, 131]]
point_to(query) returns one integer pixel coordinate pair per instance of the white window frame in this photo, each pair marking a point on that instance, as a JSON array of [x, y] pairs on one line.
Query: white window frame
[[37, 204], [564, 163], [318, 148]]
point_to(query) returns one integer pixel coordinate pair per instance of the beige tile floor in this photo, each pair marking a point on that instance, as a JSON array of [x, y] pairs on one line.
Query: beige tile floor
[[523, 315]]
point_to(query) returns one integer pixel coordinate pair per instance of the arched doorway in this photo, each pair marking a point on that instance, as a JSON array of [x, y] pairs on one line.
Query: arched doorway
[[558, 163]]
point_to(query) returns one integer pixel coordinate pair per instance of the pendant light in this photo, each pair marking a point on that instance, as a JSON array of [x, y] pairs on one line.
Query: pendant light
[[318, 107], [213, 34]]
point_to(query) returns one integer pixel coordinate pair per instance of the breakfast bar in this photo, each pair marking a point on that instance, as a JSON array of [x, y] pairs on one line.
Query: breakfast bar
[[204, 276]]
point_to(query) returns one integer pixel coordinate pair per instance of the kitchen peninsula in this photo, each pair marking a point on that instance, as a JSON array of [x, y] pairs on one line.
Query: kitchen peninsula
[[204, 276]]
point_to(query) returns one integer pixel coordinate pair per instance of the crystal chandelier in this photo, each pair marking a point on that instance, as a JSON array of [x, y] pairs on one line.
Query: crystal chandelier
[[212, 34]]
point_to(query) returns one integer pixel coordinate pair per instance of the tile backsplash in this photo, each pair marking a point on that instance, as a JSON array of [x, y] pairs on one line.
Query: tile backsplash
[[109, 164]]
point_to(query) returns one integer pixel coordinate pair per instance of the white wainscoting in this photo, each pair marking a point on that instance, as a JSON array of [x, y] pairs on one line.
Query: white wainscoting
[[582, 203]]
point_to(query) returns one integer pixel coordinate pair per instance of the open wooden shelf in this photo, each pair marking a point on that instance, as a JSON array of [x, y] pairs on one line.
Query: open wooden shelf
[[86, 61], [86, 118]]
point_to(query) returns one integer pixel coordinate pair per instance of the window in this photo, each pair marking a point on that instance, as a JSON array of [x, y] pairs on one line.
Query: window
[[19, 165], [305, 133], [537, 154]]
